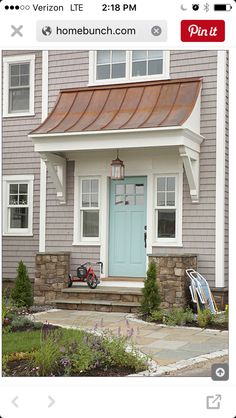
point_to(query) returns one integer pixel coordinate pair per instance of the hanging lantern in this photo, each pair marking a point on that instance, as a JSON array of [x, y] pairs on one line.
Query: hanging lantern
[[117, 169]]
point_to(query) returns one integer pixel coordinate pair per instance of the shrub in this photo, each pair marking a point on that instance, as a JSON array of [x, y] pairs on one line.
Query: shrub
[[22, 293], [151, 296], [47, 358], [205, 318]]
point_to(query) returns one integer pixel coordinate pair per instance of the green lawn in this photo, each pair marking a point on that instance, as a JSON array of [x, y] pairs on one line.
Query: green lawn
[[19, 342]]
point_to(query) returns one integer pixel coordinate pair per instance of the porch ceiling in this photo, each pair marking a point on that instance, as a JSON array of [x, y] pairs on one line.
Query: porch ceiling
[[158, 104]]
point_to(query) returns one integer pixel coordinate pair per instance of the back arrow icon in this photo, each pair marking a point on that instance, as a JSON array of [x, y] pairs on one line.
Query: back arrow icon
[[14, 402], [51, 401]]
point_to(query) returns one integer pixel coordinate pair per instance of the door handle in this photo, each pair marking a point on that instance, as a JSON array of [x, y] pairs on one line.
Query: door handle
[[145, 236]]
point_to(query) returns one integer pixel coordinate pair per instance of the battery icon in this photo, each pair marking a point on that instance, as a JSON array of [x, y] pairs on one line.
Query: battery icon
[[222, 7]]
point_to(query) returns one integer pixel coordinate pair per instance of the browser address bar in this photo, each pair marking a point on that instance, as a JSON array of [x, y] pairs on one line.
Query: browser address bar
[[101, 31]]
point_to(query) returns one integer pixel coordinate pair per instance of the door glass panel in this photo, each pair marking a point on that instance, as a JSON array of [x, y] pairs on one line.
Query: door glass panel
[[139, 200], [130, 200], [119, 200], [120, 189], [129, 188], [139, 188]]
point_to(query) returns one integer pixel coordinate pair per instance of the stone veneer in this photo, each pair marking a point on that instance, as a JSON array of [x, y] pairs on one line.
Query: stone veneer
[[173, 280], [51, 276]]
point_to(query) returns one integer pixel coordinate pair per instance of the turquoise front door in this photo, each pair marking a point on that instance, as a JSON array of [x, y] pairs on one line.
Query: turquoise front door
[[127, 252]]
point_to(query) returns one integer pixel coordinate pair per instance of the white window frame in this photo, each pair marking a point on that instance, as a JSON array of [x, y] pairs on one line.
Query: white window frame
[[88, 240], [21, 179], [177, 240], [128, 78], [18, 59]]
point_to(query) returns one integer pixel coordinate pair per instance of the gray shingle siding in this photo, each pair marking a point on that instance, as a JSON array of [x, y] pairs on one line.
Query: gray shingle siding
[[19, 158]]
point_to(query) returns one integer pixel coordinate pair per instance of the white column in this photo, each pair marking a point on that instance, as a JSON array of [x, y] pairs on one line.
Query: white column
[[43, 170], [104, 221], [220, 170]]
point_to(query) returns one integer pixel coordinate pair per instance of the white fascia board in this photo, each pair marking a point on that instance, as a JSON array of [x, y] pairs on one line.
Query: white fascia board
[[161, 137]]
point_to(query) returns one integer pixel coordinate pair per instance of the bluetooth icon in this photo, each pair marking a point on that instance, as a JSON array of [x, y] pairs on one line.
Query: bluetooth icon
[[206, 7]]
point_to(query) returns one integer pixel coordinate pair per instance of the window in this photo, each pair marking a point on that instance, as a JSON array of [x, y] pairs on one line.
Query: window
[[18, 205], [129, 194], [18, 86], [110, 64], [122, 66], [166, 208], [146, 63], [89, 209]]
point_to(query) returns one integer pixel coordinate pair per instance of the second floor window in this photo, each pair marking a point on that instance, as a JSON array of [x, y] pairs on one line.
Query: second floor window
[[18, 85], [121, 66]]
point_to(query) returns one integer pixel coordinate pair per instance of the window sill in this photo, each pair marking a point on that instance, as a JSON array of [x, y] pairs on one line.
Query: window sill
[[14, 234], [87, 243], [156, 77], [18, 115], [167, 244]]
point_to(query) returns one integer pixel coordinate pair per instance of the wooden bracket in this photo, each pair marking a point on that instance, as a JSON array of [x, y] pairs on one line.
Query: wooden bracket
[[56, 166], [190, 160]]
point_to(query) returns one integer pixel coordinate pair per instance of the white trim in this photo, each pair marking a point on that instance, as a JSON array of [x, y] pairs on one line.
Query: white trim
[[104, 223], [220, 169], [28, 179], [156, 137], [128, 77], [6, 62], [190, 160], [43, 169]]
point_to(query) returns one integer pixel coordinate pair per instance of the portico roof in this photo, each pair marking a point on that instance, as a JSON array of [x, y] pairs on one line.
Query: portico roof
[[153, 104]]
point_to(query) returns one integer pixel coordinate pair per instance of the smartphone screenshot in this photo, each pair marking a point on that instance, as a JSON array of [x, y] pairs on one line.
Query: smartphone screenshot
[[117, 208]]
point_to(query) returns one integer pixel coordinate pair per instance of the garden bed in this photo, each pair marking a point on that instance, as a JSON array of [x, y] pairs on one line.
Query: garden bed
[[47, 350], [185, 317]]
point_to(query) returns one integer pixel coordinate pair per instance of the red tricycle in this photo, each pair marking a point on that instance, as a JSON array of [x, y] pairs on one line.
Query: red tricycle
[[85, 273]]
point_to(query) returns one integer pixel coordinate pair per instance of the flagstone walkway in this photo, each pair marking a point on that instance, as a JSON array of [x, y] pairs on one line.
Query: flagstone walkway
[[165, 345]]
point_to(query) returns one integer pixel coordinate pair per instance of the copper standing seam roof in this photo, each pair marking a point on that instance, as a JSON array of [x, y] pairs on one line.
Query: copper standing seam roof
[[123, 106]]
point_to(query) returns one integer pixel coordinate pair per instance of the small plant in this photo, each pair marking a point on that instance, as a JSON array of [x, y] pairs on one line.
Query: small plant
[[47, 358], [22, 293], [205, 318], [226, 313], [157, 316], [174, 316], [151, 296]]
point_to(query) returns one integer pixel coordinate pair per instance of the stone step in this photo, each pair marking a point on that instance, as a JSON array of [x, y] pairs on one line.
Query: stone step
[[97, 305], [103, 289], [103, 293]]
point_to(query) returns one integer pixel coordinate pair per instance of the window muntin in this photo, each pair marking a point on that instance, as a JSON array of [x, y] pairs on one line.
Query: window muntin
[[166, 207], [19, 87], [18, 208], [89, 210], [119, 66]]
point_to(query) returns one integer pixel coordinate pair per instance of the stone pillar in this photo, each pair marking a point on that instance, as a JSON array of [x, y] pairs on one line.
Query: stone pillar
[[172, 279], [51, 276]]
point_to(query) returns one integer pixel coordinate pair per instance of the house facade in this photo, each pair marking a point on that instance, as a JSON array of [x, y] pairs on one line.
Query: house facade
[[68, 114]]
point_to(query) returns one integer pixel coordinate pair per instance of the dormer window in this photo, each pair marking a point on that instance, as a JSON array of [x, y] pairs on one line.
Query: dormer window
[[117, 66]]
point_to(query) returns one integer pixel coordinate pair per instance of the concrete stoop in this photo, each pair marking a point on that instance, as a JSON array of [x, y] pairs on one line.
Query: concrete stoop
[[102, 299]]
